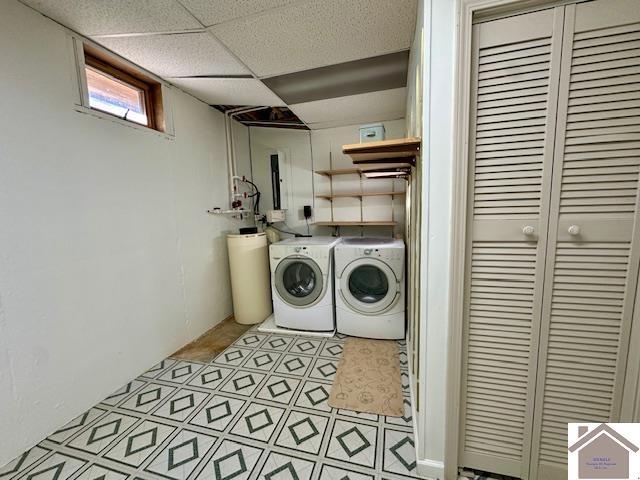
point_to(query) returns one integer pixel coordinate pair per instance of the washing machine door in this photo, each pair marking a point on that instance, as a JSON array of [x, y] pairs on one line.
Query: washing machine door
[[298, 280], [369, 285]]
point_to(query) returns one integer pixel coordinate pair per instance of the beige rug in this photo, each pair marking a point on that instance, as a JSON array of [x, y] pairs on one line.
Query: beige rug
[[368, 378]]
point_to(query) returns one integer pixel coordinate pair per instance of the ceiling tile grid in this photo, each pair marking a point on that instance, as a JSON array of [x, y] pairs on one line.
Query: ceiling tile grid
[[177, 55], [353, 109], [314, 34], [229, 91], [188, 42], [108, 17], [213, 12]]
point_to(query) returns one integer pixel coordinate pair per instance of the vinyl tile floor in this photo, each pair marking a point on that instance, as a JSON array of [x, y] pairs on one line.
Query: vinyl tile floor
[[257, 411]]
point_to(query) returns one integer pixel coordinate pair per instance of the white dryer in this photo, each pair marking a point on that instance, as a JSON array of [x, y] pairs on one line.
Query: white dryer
[[370, 287], [302, 283]]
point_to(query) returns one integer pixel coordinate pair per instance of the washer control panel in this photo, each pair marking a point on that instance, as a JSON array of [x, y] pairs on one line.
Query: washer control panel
[[279, 252]]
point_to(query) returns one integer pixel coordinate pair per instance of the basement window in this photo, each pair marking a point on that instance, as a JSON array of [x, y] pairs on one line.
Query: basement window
[[116, 88]]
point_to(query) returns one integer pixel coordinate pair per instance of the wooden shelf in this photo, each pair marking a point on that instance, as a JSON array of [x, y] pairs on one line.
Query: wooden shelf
[[402, 150], [362, 170], [338, 171], [359, 194], [355, 224]]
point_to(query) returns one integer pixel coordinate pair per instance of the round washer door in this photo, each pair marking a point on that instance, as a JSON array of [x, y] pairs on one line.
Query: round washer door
[[368, 285], [298, 281]]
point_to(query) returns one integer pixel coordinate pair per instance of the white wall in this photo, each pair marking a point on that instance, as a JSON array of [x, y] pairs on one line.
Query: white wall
[[429, 115], [438, 22], [108, 261], [317, 150], [295, 145]]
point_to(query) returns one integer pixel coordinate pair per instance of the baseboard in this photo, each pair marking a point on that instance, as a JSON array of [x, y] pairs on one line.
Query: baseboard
[[433, 469]]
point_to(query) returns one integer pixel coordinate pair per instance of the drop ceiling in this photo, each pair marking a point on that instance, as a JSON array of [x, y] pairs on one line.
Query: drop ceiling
[[330, 61]]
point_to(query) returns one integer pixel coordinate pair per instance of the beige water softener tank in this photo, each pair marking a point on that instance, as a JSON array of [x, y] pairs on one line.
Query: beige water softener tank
[[250, 278]]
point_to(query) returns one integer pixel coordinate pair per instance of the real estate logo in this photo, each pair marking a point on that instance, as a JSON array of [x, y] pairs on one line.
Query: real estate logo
[[604, 450]]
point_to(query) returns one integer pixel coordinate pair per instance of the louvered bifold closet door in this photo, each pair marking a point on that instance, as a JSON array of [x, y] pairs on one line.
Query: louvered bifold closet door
[[514, 95], [592, 266]]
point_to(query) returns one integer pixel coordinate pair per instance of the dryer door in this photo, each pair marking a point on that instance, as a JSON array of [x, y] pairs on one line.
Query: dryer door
[[298, 281], [369, 285]]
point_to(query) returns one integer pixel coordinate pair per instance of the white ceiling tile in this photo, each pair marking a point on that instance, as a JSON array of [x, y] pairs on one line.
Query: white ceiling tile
[[354, 109], [212, 13], [318, 33], [177, 55], [103, 17], [229, 91]]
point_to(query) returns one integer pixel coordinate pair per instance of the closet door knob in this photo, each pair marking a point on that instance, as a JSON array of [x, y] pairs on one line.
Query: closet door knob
[[574, 230], [528, 230]]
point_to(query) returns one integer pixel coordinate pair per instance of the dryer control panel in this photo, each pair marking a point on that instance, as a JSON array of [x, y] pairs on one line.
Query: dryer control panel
[[394, 257]]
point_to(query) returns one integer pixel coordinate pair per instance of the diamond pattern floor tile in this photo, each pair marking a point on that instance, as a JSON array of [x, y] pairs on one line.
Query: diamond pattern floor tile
[[305, 346], [119, 395], [232, 460], [185, 451], [243, 383], [294, 365], [75, 425], [279, 389], [158, 368], [148, 397], [314, 395], [277, 342], [331, 350], [353, 443], [233, 356], [56, 467], [285, 467], [303, 431], [262, 360], [257, 411], [23, 462], [251, 339], [211, 377], [258, 422], [324, 369], [181, 405], [218, 412], [180, 372], [98, 436], [99, 472], [140, 443], [330, 472], [399, 453]]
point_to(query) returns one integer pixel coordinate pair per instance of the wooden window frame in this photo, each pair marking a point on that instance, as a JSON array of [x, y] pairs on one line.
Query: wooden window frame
[[125, 73]]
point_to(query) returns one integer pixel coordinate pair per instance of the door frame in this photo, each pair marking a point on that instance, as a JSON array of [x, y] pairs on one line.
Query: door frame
[[467, 12]]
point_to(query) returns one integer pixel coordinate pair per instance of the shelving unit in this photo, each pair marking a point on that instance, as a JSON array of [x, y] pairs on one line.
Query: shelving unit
[[362, 176], [388, 159]]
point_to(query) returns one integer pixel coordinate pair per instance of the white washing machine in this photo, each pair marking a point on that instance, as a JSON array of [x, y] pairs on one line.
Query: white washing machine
[[302, 283], [370, 287]]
